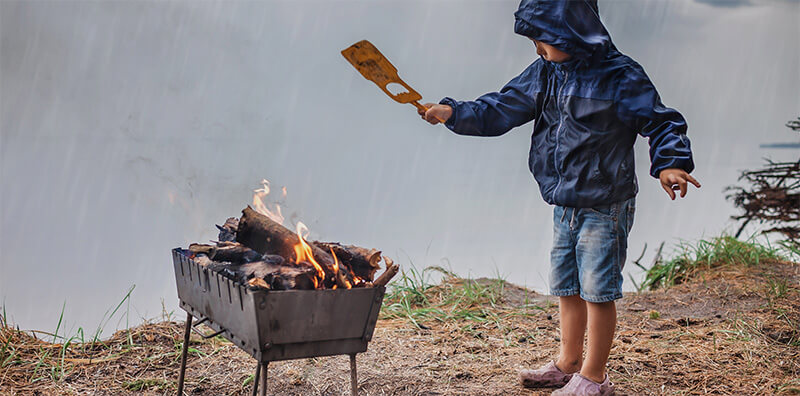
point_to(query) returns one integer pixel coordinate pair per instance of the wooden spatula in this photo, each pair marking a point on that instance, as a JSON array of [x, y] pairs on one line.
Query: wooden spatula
[[375, 67]]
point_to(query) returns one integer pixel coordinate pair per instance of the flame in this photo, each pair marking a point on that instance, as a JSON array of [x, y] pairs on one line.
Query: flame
[[336, 270], [303, 251], [261, 207]]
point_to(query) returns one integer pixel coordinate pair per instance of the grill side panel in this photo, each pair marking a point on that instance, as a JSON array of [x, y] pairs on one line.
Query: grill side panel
[[227, 305], [306, 323]]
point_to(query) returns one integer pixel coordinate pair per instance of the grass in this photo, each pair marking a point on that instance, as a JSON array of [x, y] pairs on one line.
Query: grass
[[693, 258], [467, 306], [146, 384], [415, 297], [51, 359]]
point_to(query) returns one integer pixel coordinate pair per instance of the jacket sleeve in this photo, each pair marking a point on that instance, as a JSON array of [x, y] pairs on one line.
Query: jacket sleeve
[[640, 107], [495, 113]]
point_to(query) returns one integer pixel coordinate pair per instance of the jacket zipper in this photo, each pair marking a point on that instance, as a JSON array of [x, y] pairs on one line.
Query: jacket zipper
[[558, 133]]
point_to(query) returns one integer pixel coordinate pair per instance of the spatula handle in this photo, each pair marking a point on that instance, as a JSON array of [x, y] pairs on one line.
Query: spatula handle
[[423, 108]]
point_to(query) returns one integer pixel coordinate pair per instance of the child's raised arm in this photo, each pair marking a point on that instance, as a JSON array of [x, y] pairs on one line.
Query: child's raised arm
[[492, 114]]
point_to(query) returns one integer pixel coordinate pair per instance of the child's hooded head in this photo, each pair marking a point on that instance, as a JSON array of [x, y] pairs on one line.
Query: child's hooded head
[[573, 26]]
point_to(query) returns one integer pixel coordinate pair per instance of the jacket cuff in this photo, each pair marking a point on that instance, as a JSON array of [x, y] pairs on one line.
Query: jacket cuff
[[679, 163], [451, 122]]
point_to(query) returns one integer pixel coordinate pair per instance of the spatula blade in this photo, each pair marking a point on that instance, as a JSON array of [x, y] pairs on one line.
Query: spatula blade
[[371, 63]]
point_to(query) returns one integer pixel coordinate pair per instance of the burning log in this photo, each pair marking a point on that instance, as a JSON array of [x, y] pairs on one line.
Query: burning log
[[277, 276], [386, 276], [263, 235], [363, 262], [271, 273]]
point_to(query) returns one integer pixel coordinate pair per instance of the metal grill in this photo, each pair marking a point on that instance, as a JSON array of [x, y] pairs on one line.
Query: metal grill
[[275, 325]]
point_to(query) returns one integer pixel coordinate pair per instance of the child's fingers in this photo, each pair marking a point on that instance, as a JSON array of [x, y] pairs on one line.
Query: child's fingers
[[669, 191], [692, 180], [430, 117], [425, 108], [683, 186]]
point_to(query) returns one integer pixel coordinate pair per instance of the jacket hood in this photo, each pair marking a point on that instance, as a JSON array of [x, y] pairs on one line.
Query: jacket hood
[[572, 26]]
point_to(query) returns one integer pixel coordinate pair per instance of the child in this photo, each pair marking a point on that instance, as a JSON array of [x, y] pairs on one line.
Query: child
[[588, 102]]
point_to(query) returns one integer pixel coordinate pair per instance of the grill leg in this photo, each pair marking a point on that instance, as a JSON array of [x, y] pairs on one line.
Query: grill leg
[[263, 391], [353, 376], [184, 352], [255, 380]]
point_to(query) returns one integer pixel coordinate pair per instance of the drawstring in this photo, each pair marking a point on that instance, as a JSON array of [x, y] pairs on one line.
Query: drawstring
[[573, 217]]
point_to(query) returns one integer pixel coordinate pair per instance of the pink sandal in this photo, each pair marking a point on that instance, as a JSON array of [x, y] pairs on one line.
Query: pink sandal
[[582, 386], [547, 376]]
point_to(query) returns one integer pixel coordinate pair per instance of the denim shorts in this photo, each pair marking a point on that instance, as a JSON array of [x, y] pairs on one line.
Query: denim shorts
[[589, 250]]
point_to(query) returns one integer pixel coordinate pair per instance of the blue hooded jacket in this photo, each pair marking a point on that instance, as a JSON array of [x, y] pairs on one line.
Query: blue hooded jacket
[[587, 110]]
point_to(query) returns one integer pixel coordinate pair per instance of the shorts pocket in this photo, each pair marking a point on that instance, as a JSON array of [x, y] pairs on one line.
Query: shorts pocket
[[631, 211], [605, 211]]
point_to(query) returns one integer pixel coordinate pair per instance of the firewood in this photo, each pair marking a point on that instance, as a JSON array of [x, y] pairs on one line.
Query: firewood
[[258, 283], [235, 253], [260, 233], [363, 262], [227, 231], [198, 248], [341, 279], [276, 274], [386, 276], [203, 260]]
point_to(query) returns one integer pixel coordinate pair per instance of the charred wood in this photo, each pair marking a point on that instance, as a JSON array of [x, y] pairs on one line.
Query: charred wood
[[263, 235], [386, 276], [235, 253], [232, 252], [227, 231], [272, 273], [363, 262]]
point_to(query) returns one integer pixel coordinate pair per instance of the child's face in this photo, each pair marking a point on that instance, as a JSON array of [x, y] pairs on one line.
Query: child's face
[[550, 53]]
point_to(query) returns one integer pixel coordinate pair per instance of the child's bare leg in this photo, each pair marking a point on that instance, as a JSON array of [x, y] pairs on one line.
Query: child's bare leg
[[602, 323], [572, 310]]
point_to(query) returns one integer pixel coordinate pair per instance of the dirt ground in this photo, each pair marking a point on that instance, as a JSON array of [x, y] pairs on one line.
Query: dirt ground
[[732, 331]]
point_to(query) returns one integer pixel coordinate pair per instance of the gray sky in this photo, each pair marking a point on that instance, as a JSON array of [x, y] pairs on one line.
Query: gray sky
[[130, 128]]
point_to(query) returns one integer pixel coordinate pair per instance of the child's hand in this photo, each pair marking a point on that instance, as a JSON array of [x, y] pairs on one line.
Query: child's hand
[[436, 113], [676, 179]]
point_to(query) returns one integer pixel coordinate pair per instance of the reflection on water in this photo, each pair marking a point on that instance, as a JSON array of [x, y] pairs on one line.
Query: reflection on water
[[130, 128]]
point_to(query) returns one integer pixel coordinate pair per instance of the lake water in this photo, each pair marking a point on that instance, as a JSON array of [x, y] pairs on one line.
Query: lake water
[[130, 128]]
